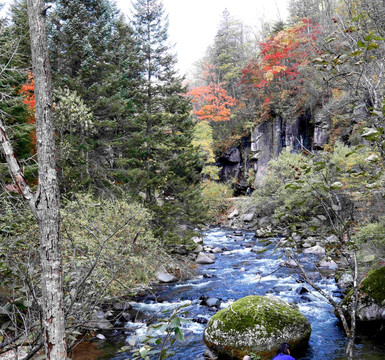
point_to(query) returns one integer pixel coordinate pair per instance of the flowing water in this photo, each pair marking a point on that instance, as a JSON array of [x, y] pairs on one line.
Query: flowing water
[[239, 272]]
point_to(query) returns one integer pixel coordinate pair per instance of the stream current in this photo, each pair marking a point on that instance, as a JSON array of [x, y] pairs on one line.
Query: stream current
[[239, 272]]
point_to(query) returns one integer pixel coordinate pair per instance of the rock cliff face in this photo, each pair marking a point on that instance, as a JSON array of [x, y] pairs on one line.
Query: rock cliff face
[[266, 141]]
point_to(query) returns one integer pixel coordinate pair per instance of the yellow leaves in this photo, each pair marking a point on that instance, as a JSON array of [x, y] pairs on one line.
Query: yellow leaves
[[269, 75]]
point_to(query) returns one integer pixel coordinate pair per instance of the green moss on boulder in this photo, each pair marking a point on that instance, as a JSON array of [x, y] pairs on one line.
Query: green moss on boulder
[[371, 298], [256, 324], [374, 286]]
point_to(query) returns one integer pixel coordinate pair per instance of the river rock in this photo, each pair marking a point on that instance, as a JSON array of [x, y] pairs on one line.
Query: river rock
[[208, 276], [163, 276], [208, 354], [213, 302], [198, 249], [328, 263], [200, 319], [345, 281], [212, 256], [99, 321], [248, 217], [122, 306], [217, 250], [310, 240], [302, 290], [332, 239], [203, 259], [256, 324], [264, 221], [297, 238], [282, 288], [288, 263], [371, 295], [233, 214], [317, 249], [126, 316], [197, 240]]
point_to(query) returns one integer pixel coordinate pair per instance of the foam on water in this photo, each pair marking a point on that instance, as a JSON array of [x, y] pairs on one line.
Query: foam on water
[[158, 307]]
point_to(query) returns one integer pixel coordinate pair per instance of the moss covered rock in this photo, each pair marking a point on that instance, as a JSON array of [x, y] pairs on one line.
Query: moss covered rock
[[371, 298], [256, 324]]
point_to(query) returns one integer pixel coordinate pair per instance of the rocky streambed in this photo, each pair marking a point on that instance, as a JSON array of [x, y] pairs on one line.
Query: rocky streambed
[[238, 265]]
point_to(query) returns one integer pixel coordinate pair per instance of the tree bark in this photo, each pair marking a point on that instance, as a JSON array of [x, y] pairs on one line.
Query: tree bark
[[47, 196]]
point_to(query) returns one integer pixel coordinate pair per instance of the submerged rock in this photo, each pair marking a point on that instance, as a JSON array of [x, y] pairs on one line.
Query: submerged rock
[[256, 324]]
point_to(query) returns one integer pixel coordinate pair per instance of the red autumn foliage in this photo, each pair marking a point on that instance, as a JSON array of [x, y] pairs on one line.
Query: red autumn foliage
[[28, 91], [281, 59], [211, 102]]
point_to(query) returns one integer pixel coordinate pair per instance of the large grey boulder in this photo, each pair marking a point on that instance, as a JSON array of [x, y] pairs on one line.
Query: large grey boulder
[[256, 324]]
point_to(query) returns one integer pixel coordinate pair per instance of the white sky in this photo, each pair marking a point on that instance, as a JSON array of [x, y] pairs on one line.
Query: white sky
[[194, 23]]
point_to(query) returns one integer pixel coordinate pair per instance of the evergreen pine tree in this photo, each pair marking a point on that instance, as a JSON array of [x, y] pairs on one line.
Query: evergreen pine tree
[[164, 166], [94, 55]]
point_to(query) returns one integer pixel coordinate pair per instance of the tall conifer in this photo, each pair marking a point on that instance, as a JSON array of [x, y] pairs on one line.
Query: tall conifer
[[93, 53], [164, 165]]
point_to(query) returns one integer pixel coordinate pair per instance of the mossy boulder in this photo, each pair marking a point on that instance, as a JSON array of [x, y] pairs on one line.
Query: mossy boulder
[[256, 324], [371, 298]]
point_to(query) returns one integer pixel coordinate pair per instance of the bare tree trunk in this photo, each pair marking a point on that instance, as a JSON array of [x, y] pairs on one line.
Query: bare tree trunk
[[353, 309], [47, 196]]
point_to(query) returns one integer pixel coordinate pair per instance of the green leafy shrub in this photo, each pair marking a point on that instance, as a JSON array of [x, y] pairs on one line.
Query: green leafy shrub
[[296, 181], [372, 238], [215, 196], [110, 239]]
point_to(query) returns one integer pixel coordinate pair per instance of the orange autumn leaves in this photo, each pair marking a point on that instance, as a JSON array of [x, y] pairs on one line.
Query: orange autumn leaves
[[211, 102], [28, 92]]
